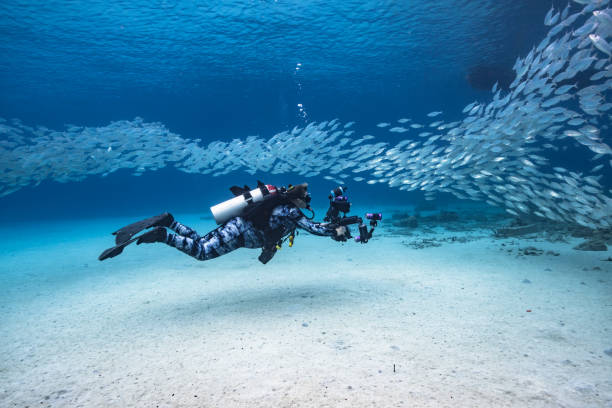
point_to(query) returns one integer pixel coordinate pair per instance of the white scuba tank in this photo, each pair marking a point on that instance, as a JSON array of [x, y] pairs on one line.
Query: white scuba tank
[[235, 206]]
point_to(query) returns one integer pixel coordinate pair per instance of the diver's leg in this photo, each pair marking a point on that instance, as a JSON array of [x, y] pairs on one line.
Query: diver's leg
[[184, 231], [226, 238]]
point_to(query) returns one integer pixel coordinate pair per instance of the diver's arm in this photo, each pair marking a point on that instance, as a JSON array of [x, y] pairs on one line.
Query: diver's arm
[[315, 228]]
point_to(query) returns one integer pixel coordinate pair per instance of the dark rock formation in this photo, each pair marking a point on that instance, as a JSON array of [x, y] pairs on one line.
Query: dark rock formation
[[592, 245], [508, 232], [530, 251], [404, 220], [447, 216]]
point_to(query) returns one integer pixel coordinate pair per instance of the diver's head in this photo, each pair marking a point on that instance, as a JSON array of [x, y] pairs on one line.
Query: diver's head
[[299, 195]]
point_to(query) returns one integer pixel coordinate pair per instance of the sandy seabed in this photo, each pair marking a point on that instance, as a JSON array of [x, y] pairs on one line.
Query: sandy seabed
[[322, 325]]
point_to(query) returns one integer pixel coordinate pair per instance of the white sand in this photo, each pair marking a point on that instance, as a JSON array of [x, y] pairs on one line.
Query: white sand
[[322, 325]]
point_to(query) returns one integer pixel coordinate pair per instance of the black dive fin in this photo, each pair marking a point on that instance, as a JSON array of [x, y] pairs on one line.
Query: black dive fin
[[116, 250], [126, 233], [260, 184], [239, 190], [236, 190]]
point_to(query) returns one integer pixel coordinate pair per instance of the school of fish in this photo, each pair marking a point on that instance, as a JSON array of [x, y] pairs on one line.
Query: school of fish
[[498, 152]]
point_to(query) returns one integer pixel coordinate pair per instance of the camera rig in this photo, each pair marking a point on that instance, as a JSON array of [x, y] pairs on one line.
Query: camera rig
[[339, 203]]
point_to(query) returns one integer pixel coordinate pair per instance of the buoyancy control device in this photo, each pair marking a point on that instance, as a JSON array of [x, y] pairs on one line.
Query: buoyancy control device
[[256, 206]]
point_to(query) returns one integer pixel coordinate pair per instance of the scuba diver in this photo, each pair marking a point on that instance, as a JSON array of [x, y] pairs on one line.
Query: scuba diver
[[261, 218]]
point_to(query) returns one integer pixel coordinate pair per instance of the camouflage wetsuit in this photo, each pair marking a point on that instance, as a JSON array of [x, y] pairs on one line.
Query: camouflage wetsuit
[[238, 233]]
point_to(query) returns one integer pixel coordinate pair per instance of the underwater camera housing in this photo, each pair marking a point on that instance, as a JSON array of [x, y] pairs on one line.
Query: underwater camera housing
[[339, 203], [364, 234]]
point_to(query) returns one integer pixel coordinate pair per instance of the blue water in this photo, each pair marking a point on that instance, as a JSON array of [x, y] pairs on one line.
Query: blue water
[[468, 317], [219, 72]]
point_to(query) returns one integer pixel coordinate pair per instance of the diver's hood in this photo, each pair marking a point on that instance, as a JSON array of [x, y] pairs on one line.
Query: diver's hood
[[298, 195]]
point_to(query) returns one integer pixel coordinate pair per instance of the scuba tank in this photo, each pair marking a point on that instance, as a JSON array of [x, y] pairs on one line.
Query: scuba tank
[[244, 199]]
